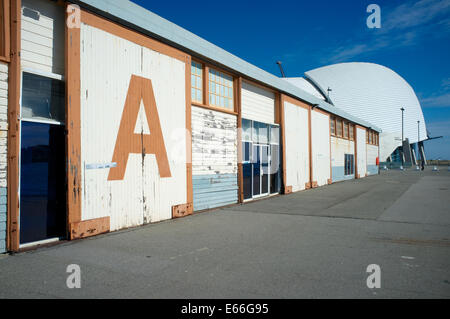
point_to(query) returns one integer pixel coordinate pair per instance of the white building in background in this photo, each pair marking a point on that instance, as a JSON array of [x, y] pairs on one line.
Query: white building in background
[[373, 93]]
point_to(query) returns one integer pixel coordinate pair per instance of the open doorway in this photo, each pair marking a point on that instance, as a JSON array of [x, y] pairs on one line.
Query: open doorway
[[42, 159]]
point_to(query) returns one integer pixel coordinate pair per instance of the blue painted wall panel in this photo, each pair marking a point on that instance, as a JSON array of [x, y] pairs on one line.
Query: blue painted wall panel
[[372, 169], [211, 191], [338, 174]]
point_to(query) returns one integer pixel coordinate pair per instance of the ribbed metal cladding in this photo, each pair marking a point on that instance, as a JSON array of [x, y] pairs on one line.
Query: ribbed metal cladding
[[214, 158], [373, 93]]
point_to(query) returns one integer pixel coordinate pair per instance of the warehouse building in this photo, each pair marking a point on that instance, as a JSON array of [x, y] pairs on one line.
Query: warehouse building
[[112, 117]]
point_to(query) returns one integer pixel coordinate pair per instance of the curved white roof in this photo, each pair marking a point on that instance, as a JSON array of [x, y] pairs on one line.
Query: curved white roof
[[306, 86], [373, 93]]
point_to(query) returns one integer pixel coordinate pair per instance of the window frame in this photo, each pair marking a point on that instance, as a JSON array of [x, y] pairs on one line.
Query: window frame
[[351, 131], [48, 75], [201, 82], [209, 81], [345, 130], [5, 36], [205, 89], [333, 125], [339, 124]]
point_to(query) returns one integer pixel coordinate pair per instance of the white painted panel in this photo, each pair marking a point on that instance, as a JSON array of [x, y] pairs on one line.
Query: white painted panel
[[214, 142], [361, 150], [388, 144], [214, 158], [320, 135], [3, 151], [296, 146], [43, 36], [340, 147], [257, 104], [372, 154], [107, 64], [3, 130]]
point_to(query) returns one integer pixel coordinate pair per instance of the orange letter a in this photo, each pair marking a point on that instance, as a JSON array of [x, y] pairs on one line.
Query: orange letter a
[[127, 142]]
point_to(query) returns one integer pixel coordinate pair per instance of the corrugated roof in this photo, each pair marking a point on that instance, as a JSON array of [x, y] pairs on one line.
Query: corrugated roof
[[144, 21], [373, 93]]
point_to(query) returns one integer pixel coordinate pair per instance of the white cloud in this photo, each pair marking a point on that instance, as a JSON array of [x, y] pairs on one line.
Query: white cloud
[[436, 101], [404, 25], [414, 14]]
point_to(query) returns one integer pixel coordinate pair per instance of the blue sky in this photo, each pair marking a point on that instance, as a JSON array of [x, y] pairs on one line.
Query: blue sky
[[414, 41]]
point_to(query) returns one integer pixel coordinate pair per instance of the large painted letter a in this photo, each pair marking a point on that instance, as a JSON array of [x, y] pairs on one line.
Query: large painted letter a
[[128, 141]]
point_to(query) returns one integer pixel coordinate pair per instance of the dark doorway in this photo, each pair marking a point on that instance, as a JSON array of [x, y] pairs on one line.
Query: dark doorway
[[42, 182]]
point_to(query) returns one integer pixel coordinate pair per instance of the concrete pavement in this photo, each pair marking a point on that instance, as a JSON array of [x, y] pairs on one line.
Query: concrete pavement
[[312, 244]]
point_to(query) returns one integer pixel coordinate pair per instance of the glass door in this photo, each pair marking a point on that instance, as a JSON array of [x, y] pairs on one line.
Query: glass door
[[261, 172], [42, 159], [256, 170], [265, 173]]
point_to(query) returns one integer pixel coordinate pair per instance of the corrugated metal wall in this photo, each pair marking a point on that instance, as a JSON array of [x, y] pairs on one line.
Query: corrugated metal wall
[[372, 154], [361, 150], [107, 65], [3, 152], [296, 146], [257, 104], [43, 36], [214, 158], [320, 130], [340, 147]]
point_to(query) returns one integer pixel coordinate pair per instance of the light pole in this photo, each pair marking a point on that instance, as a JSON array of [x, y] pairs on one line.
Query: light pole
[[418, 139], [403, 111]]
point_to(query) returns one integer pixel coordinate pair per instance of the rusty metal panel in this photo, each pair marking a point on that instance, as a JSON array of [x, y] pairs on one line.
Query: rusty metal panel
[[42, 36], [116, 76], [361, 150], [296, 146], [320, 131], [214, 158]]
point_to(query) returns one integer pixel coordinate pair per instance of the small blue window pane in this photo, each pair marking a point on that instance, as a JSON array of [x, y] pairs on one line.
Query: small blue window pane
[[42, 98]]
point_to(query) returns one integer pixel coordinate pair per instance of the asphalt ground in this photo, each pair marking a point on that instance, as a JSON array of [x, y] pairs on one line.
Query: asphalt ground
[[312, 244]]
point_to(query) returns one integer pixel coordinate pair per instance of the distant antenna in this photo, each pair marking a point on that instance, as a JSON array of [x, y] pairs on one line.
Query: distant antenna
[[281, 69], [329, 90]]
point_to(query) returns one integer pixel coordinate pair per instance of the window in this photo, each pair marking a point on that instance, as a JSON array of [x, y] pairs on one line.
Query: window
[[349, 164], [261, 133], [274, 134], [220, 89], [4, 29], [351, 132], [42, 98], [367, 137], [246, 152], [339, 127], [246, 130], [333, 125], [196, 82], [345, 129]]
